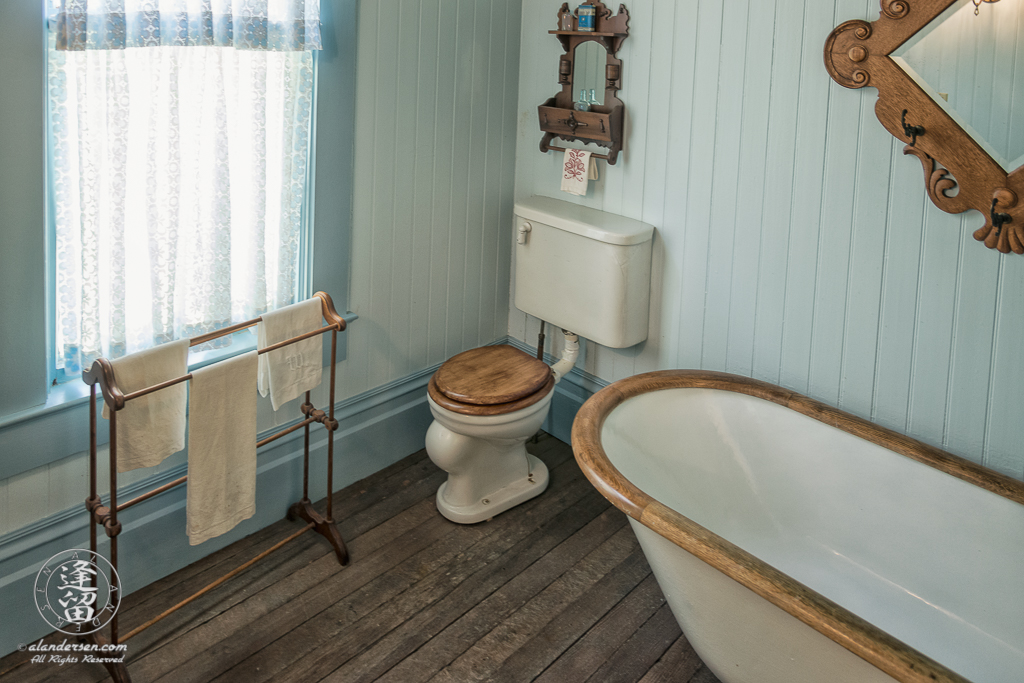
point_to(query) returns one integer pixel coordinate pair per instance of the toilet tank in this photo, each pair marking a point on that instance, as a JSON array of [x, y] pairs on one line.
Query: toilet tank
[[583, 270]]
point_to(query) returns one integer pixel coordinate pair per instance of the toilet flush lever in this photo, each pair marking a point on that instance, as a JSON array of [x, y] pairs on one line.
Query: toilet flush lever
[[524, 229]]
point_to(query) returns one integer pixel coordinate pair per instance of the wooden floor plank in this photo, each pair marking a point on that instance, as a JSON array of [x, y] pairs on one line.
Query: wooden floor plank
[[37, 673], [679, 663], [275, 616], [386, 518], [704, 675], [326, 629], [534, 656], [302, 551], [417, 631], [461, 635], [287, 560], [488, 653], [641, 651], [410, 489], [163, 593], [555, 589], [475, 559], [588, 654]]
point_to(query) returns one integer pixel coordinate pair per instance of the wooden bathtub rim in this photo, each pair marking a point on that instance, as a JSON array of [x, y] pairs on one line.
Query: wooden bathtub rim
[[872, 644]]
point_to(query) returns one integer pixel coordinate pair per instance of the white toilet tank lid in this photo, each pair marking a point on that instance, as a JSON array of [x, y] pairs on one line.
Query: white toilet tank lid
[[583, 220]]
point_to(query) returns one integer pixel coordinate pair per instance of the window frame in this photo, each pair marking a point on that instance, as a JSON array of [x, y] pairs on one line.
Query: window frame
[[40, 424], [241, 342]]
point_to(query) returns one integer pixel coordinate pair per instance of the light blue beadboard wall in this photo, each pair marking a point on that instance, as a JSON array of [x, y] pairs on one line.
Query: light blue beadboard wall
[[435, 154], [795, 243]]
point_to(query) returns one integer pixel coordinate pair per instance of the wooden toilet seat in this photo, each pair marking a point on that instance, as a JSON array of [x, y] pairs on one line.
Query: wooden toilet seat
[[490, 380]]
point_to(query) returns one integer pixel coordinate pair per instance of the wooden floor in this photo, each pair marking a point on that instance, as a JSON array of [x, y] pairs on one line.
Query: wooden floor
[[555, 590]]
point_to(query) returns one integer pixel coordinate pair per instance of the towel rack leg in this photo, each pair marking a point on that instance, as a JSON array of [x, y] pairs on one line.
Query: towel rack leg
[[331, 426], [305, 454], [118, 670], [305, 511], [93, 500]]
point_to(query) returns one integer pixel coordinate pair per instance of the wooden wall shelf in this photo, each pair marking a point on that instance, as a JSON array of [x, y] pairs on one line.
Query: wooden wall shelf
[[611, 40], [603, 124]]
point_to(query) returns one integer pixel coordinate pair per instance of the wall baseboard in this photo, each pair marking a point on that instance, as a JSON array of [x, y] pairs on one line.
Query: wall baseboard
[[376, 428]]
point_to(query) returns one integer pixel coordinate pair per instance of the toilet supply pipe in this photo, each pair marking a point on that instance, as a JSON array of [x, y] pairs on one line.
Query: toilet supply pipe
[[570, 351]]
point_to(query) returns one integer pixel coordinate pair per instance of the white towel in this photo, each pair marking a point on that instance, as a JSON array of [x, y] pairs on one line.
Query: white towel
[[291, 370], [221, 447], [575, 171], [151, 427]]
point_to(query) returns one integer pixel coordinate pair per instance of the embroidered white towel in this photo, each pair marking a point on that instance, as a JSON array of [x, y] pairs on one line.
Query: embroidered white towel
[[151, 427], [291, 370], [221, 447], [575, 169]]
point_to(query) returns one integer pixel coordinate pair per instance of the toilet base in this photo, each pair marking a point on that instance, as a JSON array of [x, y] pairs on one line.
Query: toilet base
[[498, 501]]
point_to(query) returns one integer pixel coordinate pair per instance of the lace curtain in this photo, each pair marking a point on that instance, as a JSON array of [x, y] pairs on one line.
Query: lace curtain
[[180, 137]]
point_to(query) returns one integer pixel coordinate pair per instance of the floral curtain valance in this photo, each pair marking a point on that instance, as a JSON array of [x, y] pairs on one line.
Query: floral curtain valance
[[278, 25]]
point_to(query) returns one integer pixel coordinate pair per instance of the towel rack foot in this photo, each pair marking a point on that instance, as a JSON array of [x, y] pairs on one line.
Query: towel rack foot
[[305, 511]]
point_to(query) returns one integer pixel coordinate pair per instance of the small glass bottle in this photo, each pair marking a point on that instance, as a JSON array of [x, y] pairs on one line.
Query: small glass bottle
[[582, 104], [593, 99], [566, 22]]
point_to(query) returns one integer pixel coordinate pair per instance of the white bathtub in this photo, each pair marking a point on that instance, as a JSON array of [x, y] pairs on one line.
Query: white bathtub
[[797, 543]]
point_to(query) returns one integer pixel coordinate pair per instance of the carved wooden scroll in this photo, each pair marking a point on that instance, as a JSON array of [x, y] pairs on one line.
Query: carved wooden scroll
[[959, 173]]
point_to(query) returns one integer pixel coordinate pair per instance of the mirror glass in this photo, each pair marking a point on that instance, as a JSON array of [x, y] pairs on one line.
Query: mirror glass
[[588, 72], [973, 67]]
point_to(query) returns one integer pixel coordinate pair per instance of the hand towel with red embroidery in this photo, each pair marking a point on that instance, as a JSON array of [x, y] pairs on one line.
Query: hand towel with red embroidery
[[575, 170]]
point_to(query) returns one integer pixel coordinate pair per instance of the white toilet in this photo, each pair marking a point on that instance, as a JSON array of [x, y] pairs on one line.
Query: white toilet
[[576, 268]]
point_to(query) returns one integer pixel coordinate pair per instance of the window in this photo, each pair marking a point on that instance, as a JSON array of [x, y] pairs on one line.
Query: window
[[178, 167]]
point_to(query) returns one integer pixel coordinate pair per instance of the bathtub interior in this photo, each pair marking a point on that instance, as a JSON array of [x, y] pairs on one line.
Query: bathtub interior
[[924, 556]]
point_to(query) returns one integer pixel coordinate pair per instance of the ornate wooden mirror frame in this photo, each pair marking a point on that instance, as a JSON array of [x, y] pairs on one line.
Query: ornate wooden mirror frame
[[603, 123], [858, 54]]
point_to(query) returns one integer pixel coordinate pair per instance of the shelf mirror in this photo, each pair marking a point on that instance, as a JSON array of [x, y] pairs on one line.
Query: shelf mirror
[[588, 71], [948, 79]]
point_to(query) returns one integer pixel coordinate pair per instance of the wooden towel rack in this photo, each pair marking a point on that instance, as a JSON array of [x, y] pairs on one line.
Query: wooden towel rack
[[101, 375]]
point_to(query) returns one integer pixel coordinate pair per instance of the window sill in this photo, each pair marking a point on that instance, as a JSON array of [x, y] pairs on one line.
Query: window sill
[[75, 392]]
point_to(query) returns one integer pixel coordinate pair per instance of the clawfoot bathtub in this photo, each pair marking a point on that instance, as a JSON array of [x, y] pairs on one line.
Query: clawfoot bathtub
[[796, 543]]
